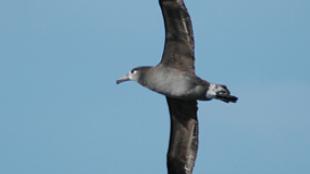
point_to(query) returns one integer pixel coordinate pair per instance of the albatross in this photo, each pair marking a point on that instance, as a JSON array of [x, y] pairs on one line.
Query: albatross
[[175, 78]]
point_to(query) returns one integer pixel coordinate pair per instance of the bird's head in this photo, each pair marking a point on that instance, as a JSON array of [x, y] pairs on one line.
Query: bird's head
[[135, 74]]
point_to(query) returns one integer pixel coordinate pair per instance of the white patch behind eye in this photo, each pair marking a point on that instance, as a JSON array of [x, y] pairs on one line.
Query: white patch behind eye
[[130, 75], [133, 75]]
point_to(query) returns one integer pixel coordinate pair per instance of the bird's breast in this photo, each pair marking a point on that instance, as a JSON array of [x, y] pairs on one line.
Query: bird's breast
[[173, 84]]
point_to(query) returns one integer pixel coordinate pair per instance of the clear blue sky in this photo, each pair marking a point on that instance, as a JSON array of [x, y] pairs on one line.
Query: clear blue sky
[[62, 113]]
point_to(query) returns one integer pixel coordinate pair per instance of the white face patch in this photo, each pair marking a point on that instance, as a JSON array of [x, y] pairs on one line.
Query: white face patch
[[130, 75], [133, 75]]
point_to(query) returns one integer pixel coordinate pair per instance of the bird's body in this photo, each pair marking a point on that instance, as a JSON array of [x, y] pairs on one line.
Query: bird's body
[[174, 83], [175, 78]]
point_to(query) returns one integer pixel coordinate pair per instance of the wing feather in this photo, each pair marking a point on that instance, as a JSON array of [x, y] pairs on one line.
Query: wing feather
[[179, 39], [183, 143]]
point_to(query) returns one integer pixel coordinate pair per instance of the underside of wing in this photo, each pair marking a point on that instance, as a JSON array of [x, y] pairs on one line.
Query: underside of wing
[[179, 39], [183, 144]]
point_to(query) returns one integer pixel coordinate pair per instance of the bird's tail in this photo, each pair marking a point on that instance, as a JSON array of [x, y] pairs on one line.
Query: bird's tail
[[220, 92], [227, 98]]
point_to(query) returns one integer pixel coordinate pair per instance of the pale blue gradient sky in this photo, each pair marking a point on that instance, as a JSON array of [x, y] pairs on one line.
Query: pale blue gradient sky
[[61, 112]]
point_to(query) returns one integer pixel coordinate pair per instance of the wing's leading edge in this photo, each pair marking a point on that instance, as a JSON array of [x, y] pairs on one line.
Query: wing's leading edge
[[179, 39], [183, 143]]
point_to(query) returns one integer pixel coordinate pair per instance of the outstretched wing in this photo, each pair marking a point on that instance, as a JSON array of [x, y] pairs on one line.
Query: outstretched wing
[[183, 143], [179, 39]]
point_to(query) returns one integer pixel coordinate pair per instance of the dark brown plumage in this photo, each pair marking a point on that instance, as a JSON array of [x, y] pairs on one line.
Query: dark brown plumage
[[179, 53], [175, 78]]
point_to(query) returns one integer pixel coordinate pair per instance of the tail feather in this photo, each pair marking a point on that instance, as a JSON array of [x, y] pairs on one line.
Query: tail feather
[[220, 92], [227, 98]]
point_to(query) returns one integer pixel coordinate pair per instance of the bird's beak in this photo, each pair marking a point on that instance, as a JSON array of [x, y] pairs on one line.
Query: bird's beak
[[123, 79]]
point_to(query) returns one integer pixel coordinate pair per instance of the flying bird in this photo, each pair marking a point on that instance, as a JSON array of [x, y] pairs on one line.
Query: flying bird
[[175, 78]]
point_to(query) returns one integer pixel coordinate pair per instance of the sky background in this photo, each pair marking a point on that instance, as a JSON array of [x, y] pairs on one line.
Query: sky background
[[62, 113]]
